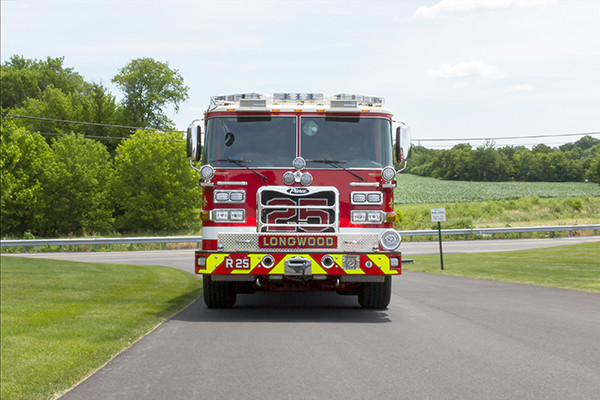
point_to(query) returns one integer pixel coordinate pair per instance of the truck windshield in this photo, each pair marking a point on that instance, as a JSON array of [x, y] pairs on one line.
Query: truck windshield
[[350, 141], [262, 142]]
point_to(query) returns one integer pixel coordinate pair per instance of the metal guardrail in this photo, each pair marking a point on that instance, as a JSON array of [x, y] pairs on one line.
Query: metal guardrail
[[493, 231], [468, 233], [98, 241]]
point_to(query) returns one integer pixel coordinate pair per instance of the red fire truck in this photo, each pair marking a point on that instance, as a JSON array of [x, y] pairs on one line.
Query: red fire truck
[[298, 195]]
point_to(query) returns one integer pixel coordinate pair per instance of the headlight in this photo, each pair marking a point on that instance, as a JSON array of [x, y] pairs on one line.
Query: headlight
[[388, 173], [375, 198], [229, 196], [299, 163], [358, 217], [207, 172], [237, 196], [306, 179], [237, 215], [359, 198], [228, 215], [289, 178], [367, 217], [390, 240]]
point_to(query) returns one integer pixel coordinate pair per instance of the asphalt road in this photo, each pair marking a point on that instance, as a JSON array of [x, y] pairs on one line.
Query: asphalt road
[[441, 338]]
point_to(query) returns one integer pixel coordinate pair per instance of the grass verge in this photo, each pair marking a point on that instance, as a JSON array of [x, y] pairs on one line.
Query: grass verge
[[525, 211], [61, 320], [574, 267]]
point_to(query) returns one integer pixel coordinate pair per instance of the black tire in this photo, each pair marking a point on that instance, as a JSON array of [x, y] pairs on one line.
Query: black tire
[[218, 294], [376, 295]]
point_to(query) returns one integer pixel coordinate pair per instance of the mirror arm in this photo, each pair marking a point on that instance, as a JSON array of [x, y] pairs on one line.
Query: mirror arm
[[403, 168], [193, 166]]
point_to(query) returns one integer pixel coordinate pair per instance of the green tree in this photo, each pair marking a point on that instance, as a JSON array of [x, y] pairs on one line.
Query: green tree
[[103, 110], [76, 189], [420, 160], [587, 142], [485, 165], [541, 148], [24, 156], [94, 105], [524, 167], [593, 172], [154, 188], [149, 86], [52, 103], [453, 164], [23, 79]]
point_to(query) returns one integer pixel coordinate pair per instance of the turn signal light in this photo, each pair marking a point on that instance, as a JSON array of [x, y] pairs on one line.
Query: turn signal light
[[204, 215]]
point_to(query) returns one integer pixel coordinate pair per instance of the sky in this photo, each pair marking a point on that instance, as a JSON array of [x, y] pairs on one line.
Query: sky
[[455, 71]]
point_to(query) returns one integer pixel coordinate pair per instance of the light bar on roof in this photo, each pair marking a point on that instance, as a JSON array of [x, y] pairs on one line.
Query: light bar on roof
[[298, 96], [339, 101], [253, 102], [235, 97], [360, 99], [343, 104]]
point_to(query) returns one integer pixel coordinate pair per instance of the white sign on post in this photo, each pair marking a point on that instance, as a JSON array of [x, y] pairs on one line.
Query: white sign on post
[[438, 214]]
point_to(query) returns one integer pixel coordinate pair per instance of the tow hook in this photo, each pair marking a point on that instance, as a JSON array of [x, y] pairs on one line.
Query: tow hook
[[297, 266]]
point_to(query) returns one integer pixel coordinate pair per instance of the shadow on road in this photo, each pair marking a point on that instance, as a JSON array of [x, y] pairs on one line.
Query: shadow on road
[[302, 307]]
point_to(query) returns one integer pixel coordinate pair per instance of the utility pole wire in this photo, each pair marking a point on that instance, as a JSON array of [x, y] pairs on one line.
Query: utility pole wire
[[171, 130], [87, 123], [106, 137], [511, 137]]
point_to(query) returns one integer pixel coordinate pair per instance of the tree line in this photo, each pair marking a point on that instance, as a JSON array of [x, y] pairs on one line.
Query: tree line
[[110, 175], [570, 162]]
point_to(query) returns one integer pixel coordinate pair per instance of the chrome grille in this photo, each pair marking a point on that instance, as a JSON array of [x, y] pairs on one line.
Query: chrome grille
[[346, 242], [298, 209]]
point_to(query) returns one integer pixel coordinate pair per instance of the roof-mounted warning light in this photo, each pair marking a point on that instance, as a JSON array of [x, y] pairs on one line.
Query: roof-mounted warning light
[[360, 99], [255, 100], [298, 96]]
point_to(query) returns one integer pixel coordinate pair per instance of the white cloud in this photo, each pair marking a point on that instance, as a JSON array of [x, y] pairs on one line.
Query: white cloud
[[461, 85], [449, 7], [471, 68], [526, 87]]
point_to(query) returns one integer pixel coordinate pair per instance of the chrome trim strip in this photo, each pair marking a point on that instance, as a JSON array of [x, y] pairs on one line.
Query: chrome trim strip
[[373, 184], [212, 232], [232, 183]]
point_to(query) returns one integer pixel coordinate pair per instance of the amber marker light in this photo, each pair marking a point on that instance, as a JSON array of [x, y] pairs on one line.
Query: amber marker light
[[391, 217]]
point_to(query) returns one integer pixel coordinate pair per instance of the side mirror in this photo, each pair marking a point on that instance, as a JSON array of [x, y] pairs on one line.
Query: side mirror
[[194, 145], [403, 142]]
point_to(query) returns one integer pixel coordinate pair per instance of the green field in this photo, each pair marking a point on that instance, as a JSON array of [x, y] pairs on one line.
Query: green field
[[495, 204], [414, 189], [568, 267], [62, 320]]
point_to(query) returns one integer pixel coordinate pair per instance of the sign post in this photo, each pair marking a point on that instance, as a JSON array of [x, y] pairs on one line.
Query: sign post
[[439, 215]]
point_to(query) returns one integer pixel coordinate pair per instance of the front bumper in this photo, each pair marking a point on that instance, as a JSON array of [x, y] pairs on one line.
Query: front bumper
[[297, 264]]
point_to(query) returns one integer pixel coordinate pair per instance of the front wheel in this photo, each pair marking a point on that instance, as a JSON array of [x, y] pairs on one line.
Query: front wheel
[[218, 294], [376, 295]]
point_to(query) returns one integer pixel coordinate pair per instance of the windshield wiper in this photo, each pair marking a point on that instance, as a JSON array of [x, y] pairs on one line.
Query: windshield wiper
[[337, 164], [242, 163]]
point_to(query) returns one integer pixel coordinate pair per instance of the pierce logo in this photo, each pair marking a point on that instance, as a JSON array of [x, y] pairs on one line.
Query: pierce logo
[[298, 190]]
